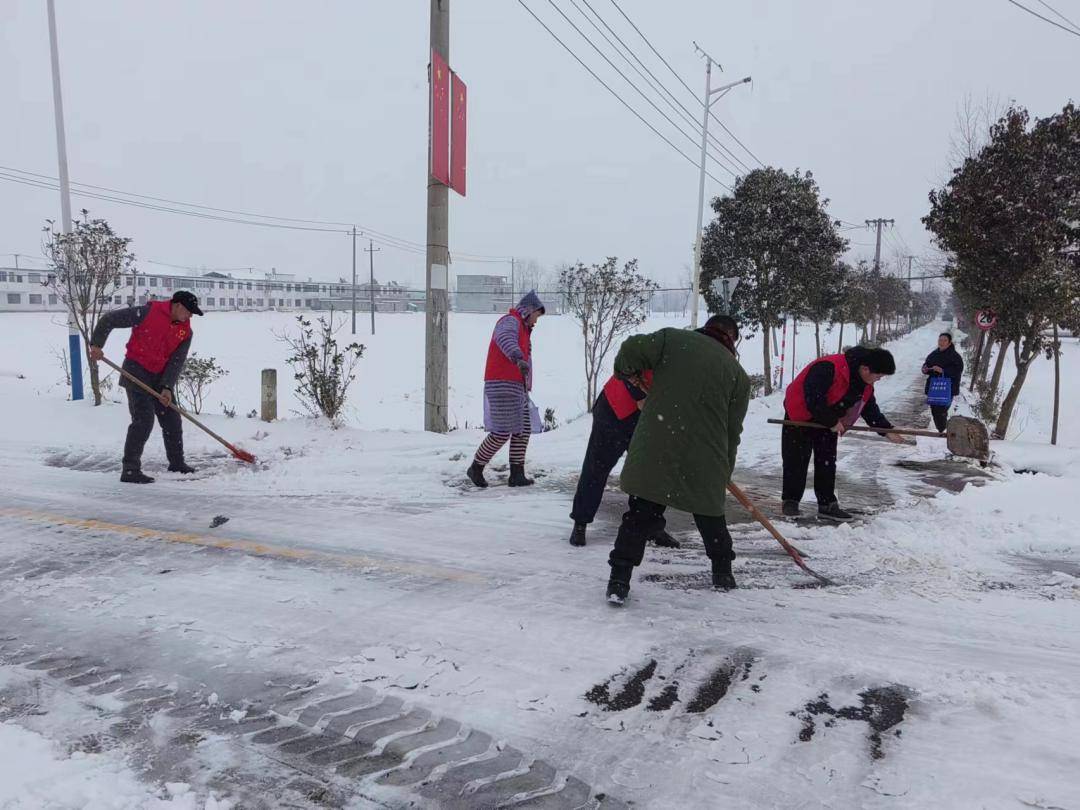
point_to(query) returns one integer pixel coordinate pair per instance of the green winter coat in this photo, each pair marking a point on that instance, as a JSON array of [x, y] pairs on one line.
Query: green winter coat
[[683, 450]]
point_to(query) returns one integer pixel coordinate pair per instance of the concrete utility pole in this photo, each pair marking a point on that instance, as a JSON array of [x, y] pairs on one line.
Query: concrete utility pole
[[436, 394], [371, 250], [707, 101], [354, 280], [911, 304], [877, 250], [74, 349]]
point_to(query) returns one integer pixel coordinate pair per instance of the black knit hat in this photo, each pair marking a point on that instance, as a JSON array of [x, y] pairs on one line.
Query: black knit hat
[[879, 361]]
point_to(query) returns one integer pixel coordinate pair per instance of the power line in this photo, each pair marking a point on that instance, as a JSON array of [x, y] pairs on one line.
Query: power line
[[196, 269], [655, 82], [109, 198], [684, 84], [613, 66], [37, 180], [656, 86], [1058, 13], [621, 100], [1045, 19]]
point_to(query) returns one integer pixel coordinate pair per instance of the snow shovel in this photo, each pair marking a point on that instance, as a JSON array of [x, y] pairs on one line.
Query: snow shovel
[[243, 455], [793, 552], [966, 437]]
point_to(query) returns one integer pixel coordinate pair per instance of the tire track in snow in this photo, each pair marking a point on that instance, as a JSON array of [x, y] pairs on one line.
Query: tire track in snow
[[387, 749]]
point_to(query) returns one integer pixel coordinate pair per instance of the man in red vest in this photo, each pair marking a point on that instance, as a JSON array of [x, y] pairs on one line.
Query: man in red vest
[[160, 339], [614, 417], [834, 392]]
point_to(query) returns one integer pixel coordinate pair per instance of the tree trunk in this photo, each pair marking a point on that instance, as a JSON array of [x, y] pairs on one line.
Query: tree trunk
[[765, 354], [840, 344], [817, 337], [978, 359], [988, 351], [1057, 386], [1023, 364], [794, 334], [999, 365], [95, 369], [95, 380]]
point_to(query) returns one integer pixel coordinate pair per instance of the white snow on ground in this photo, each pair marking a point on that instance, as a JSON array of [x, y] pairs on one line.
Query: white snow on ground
[[358, 556], [390, 379], [36, 773]]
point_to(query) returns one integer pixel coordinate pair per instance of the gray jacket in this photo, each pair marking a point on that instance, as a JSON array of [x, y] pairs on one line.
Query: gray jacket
[[129, 318]]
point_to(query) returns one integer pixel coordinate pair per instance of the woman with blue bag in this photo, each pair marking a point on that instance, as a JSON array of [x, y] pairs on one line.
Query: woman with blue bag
[[943, 367]]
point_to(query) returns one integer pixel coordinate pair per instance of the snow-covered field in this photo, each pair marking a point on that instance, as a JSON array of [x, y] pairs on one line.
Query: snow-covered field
[[389, 390], [939, 672]]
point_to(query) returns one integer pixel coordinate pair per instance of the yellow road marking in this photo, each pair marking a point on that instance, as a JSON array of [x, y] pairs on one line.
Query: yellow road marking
[[247, 546]]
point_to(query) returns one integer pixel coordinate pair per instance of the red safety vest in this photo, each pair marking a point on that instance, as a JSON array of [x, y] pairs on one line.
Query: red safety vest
[[795, 397], [155, 339], [619, 398], [501, 367]]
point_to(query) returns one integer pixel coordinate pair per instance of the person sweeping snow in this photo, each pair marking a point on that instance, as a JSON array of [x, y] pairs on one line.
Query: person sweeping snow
[[615, 415], [944, 361], [833, 392], [508, 378], [683, 450], [160, 338]]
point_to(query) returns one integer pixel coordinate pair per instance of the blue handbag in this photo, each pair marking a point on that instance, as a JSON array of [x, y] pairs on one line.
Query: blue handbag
[[940, 393]]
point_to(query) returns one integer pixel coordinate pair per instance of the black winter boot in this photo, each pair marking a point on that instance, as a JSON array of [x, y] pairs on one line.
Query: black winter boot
[[577, 536], [135, 477], [618, 587], [791, 509], [181, 468], [517, 477], [665, 540], [476, 475], [722, 578], [833, 512]]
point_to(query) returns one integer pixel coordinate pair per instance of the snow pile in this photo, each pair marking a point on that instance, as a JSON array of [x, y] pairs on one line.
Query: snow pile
[[34, 775]]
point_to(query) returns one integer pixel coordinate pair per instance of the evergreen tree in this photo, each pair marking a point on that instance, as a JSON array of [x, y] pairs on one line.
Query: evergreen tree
[[1011, 218], [773, 234]]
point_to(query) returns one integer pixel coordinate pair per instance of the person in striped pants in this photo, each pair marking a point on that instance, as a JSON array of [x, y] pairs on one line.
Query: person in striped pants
[[508, 378]]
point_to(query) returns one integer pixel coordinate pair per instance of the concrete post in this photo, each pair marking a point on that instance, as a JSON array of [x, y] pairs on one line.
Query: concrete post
[[269, 394]]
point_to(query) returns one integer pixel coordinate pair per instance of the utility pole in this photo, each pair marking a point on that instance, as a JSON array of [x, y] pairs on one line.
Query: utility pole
[[877, 250], [436, 394], [74, 349], [354, 280], [911, 304], [371, 250], [513, 272], [707, 102], [16, 255]]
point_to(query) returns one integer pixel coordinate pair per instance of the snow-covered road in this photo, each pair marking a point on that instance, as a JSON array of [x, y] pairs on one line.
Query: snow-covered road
[[364, 630]]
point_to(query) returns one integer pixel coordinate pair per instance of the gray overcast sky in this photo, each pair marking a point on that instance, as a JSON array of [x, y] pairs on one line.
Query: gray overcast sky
[[318, 110]]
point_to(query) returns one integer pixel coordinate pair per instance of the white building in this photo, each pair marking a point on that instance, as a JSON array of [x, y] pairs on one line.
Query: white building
[[23, 290]]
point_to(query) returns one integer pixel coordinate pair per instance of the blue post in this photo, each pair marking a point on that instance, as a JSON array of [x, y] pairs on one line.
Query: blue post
[[75, 353]]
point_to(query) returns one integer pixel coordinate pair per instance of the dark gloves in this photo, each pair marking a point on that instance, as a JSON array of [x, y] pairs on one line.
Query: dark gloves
[[523, 367]]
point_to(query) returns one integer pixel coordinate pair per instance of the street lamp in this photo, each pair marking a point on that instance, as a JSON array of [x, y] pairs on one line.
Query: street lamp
[[712, 95]]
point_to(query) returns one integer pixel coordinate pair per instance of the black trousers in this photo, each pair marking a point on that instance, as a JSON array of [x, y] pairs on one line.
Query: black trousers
[[609, 439], [941, 416], [797, 445], [645, 519], [143, 408]]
